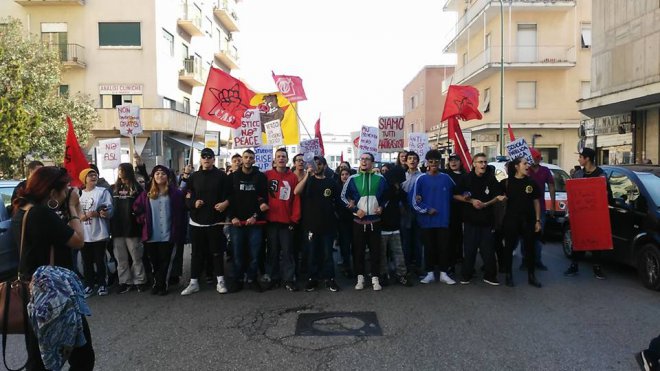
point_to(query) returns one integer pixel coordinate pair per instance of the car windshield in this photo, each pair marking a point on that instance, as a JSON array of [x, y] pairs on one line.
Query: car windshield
[[560, 177], [5, 195], [652, 185]]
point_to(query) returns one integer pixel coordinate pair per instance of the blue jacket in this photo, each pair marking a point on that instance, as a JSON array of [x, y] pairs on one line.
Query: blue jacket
[[432, 192]]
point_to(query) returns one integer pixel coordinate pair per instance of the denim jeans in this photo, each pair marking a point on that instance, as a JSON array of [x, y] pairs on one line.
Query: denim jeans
[[321, 263], [392, 243], [345, 239], [280, 252], [412, 246], [478, 238], [247, 238]]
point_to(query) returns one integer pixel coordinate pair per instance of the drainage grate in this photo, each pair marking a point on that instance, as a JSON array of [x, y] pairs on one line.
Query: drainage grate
[[338, 324]]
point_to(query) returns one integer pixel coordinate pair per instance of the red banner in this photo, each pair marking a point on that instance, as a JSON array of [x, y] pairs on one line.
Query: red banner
[[290, 86], [317, 134], [75, 160], [460, 146], [462, 101], [225, 99], [589, 214]]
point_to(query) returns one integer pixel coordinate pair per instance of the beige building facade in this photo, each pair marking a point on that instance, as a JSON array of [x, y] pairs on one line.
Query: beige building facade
[[544, 48], [624, 106], [152, 53]]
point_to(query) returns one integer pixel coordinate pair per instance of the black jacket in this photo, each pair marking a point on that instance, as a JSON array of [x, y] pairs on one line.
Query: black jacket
[[212, 187], [248, 191]]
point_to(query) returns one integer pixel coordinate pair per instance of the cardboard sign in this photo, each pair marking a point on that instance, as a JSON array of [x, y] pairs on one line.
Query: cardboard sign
[[369, 141], [110, 153], [129, 120], [274, 132], [248, 135], [264, 157], [390, 133], [519, 148], [310, 146], [212, 140], [419, 143], [589, 214]]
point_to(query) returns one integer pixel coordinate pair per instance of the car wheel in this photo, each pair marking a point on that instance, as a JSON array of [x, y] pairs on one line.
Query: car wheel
[[567, 242], [648, 266]]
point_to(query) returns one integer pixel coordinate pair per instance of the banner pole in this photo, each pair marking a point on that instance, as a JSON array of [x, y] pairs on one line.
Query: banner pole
[[192, 140], [293, 105]]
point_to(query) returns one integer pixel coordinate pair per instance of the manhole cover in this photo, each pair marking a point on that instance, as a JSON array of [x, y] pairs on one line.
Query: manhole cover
[[338, 324]]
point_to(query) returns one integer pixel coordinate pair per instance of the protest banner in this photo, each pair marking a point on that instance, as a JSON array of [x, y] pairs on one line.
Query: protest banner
[[589, 214], [519, 148], [419, 143], [249, 133], [310, 146], [110, 153], [369, 141], [274, 132], [263, 157], [390, 133], [212, 140], [129, 120]]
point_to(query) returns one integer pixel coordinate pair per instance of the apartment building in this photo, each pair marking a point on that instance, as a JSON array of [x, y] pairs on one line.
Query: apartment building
[[544, 50], [624, 106], [152, 53], [423, 102]]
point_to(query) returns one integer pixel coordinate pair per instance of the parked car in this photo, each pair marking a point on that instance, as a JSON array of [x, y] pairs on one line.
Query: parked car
[[552, 224], [634, 219], [8, 252]]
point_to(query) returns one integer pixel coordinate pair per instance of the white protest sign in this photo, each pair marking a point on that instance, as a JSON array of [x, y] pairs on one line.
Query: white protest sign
[[355, 139], [310, 146], [274, 132], [129, 119], [110, 153], [419, 143], [369, 141], [263, 157], [519, 148], [249, 133], [390, 133], [212, 140]]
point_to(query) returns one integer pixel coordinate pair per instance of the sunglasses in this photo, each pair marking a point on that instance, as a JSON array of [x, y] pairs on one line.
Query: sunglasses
[[207, 157], [433, 161]]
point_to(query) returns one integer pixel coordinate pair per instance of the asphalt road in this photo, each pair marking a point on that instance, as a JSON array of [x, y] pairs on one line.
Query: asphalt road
[[577, 323]]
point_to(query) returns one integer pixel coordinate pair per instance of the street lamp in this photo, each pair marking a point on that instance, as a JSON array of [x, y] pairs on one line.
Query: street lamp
[[501, 77]]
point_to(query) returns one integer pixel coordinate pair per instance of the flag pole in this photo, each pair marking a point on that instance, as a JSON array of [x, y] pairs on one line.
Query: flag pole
[[192, 141], [293, 105]]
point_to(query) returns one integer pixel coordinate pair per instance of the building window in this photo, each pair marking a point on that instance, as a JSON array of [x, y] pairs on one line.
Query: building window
[[186, 105], [585, 89], [168, 42], [119, 34], [485, 106], [169, 103], [184, 51], [421, 97], [526, 94], [64, 90], [114, 100], [412, 103], [585, 35]]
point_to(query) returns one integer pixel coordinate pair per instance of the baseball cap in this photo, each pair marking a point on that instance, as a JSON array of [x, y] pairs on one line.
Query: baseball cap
[[207, 152], [454, 156], [83, 174], [588, 152]]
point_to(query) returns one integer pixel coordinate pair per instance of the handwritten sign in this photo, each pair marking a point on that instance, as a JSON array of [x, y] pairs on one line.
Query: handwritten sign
[[129, 120], [264, 157], [355, 139], [589, 214], [369, 141], [274, 132], [519, 148], [310, 146], [249, 133], [110, 153], [212, 140], [419, 143], [390, 133]]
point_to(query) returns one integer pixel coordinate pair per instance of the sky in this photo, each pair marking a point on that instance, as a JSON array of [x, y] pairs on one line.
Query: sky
[[354, 56]]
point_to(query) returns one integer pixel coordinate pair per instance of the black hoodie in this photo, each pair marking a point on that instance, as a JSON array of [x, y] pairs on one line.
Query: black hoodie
[[211, 186], [248, 191]]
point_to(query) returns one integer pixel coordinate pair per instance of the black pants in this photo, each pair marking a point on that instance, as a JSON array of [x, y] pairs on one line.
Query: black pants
[[455, 237], [436, 248], [81, 359], [579, 255], [654, 350], [161, 255], [479, 238], [516, 229], [93, 253], [207, 240], [366, 235]]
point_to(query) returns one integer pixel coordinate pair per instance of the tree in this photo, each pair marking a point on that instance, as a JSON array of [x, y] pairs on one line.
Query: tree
[[32, 113]]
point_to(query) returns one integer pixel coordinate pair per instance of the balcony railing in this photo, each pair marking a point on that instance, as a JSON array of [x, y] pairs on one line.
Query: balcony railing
[[71, 55], [226, 14], [228, 55], [515, 56], [192, 72], [49, 2], [191, 19], [152, 119]]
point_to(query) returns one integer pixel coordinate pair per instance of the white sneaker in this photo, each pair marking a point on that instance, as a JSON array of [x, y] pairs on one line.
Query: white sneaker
[[446, 279], [360, 282], [430, 277], [191, 289], [220, 287], [376, 285]]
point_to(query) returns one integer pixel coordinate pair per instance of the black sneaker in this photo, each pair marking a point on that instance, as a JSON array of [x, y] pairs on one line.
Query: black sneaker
[[644, 361], [598, 272], [572, 270], [385, 280], [290, 286], [155, 290], [124, 288], [310, 286], [142, 287], [492, 281], [404, 281], [332, 285]]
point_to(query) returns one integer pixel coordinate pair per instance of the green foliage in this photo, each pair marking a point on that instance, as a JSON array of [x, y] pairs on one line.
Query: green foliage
[[32, 114]]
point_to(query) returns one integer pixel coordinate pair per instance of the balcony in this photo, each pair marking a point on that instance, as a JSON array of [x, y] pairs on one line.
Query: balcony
[[228, 56], [190, 20], [71, 55], [49, 2], [192, 72], [491, 8], [515, 57], [226, 15], [152, 119]]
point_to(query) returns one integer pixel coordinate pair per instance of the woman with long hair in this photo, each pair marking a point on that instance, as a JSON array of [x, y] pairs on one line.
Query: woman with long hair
[[126, 231], [48, 237], [522, 218], [160, 212]]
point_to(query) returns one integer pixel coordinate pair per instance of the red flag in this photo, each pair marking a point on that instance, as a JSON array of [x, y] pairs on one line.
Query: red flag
[[511, 136], [317, 134], [75, 160], [460, 147], [462, 101], [341, 158], [290, 86], [225, 99]]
